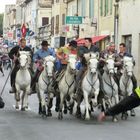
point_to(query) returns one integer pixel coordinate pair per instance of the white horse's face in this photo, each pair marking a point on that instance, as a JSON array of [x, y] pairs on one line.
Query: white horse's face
[[110, 65], [72, 62], [49, 65], [23, 60], [128, 65], [93, 63]]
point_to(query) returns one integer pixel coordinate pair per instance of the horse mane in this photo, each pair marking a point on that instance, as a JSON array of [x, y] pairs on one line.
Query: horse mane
[[127, 59], [91, 55], [24, 53], [49, 58]]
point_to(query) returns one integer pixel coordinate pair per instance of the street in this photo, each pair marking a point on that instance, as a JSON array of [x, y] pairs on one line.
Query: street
[[28, 125]]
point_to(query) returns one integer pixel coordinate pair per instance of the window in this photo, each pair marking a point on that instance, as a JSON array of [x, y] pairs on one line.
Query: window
[[45, 21], [128, 42], [101, 8], [83, 6], [57, 24], [52, 25], [91, 8], [106, 7], [63, 19], [111, 5]]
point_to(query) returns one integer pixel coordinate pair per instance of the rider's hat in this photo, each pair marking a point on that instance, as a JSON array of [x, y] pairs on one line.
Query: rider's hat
[[73, 43], [44, 43]]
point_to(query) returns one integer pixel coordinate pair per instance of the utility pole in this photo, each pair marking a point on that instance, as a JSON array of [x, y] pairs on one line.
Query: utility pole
[[77, 6], [116, 22]]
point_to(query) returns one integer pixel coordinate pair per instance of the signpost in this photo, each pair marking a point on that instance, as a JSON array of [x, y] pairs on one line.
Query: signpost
[[73, 20]]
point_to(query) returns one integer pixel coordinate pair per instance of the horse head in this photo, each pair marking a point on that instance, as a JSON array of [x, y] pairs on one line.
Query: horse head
[[92, 61], [49, 65], [24, 58], [109, 64], [72, 59], [128, 65]]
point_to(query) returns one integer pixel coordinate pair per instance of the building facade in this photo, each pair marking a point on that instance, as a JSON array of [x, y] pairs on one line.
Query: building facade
[[129, 29], [9, 22]]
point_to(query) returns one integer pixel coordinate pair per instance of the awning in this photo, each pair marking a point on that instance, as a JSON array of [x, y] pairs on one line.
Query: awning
[[98, 38], [95, 39]]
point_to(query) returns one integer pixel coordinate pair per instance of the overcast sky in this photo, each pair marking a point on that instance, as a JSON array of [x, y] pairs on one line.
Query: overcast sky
[[4, 2]]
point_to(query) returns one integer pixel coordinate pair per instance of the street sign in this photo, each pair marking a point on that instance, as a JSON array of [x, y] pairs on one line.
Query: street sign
[[73, 20]]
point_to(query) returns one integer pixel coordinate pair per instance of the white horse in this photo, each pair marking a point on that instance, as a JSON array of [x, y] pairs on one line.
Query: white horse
[[90, 83], [44, 81], [109, 85], [67, 83], [126, 85], [23, 80]]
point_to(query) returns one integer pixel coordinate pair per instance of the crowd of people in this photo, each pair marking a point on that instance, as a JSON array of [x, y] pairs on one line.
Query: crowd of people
[[61, 62]]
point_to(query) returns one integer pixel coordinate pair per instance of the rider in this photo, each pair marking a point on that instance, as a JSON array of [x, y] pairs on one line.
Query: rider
[[14, 54], [62, 55], [63, 52], [38, 59], [123, 52], [88, 47], [128, 103]]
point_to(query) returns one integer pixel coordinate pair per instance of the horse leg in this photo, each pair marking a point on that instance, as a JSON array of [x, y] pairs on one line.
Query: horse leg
[[71, 104], [43, 103], [17, 98], [95, 100], [87, 116], [60, 114], [40, 106], [23, 101], [57, 103], [65, 107], [49, 104], [26, 97], [78, 111]]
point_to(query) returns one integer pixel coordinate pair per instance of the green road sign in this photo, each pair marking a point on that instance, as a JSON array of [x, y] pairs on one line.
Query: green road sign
[[73, 20]]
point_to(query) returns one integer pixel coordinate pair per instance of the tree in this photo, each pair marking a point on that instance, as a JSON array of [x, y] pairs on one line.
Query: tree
[[1, 24]]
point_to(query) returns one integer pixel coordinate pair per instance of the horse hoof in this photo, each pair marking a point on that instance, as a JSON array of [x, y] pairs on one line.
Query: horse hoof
[[23, 109], [133, 114], [71, 112], [115, 119], [78, 114], [44, 116], [65, 111], [56, 109], [49, 114], [17, 107], [39, 112], [60, 117]]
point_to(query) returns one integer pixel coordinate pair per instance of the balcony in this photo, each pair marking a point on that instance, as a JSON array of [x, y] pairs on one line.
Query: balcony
[[45, 3], [67, 1], [27, 1]]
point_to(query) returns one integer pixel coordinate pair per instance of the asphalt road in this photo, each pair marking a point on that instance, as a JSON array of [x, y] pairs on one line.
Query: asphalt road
[[28, 125]]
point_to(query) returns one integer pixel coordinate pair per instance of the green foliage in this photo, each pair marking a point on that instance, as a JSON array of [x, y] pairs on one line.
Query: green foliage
[[1, 24]]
